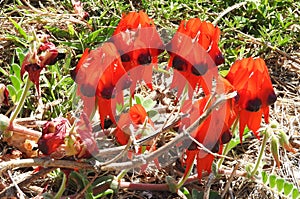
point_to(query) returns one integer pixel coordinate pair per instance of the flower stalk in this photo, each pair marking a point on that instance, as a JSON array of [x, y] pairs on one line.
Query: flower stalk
[[261, 153]]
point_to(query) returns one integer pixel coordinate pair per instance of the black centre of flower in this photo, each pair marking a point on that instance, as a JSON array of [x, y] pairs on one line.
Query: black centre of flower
[[193, 146], [125, 58], [107, 123], [216, 148], [179, 64], [253, 105], [32, 67], [271, 98], [87, 90], [199, 69], [108, 92], [144, 58], [219, 59], [226, 136]]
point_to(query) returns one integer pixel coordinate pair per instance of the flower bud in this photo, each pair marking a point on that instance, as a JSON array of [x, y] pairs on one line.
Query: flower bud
[[4, 122], [284, 142], [275, 150], [3, 94]]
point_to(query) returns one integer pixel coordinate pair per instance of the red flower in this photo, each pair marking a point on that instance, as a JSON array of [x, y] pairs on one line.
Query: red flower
[[251, 79], [101, 77], [212, 133], [194, 53], [136, 117], [139, 45], [3, 95], [86, 142], [54, 133], [41, 54], [59, 141]]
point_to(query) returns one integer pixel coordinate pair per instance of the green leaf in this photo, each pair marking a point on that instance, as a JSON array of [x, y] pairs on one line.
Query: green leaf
[[295, 193], [223, 73], [139, 99], [272, 180], [17, 70], [287, 188], [92, 36], [3, 71], [71, 30], [171, 183], [12, 93], [21, 55], [19, 28], [57, 31], [186, 192], [279, 184], [148, 104], [153, 115], [75, 44], [264, 176], [15, 82], [16, 39]]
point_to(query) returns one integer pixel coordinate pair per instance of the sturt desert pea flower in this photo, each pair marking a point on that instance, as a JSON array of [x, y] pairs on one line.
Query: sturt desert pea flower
[[3, 95], [139, 44], [41, 53], [101, 77], [194, 54], [59, 141], [136, 116], [251, 79], [212, 133], [138, 119]]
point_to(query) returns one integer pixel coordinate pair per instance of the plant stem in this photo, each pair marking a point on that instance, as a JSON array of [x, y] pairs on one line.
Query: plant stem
[[21, 102], [61, 188], [122, 174], [184, 178], [261, 152]]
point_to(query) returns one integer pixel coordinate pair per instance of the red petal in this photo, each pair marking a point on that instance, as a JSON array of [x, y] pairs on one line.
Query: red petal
[[106, 108], [137, 114], [191, 154], [139, 45], [204, 164]]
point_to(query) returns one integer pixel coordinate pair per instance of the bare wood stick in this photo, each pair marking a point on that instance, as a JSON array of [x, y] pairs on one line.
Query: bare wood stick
[[68, 164], [23, 130], [19, 191], [230, 179]]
